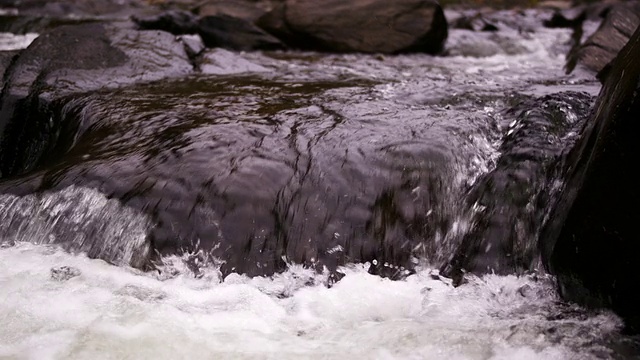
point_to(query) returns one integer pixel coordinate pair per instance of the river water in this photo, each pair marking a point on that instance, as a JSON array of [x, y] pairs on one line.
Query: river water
[[448, 110]]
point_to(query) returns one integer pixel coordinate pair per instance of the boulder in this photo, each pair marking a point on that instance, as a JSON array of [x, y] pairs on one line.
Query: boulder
[[604, 44], [368, 26], [70, 60], [590, 240]]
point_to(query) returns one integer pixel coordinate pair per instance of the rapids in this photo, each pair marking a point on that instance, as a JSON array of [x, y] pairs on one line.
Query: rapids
[[362, 150]]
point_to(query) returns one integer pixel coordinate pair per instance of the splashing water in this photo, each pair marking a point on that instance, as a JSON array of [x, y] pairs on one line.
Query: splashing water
[[60, 305], [117, 312]]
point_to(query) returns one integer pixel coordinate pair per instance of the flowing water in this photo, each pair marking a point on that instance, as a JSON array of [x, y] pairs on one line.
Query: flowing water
[[362, 150]]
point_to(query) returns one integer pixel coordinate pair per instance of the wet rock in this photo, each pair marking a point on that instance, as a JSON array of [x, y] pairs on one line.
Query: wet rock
[[82, 8], [474, 22], [602, 46], [215, 30], [224, 62], [370, 26], [390, 271], [247, 10], [566, 18], [234, 33], [103, 56], [174, 21], [222, 164], [193, 44], [64, 273], [590, 238], [141, 293], [508, 203], [5, 59], [23, 24]]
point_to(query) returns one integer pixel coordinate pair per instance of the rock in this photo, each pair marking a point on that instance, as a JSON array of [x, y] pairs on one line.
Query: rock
[[601, 47], [474, 22], [193, 44], [83, 8], [5, 59], [369, 26], [213, 163], [508, 203], [590, 238], [64, 273], [68, 60], [173, 21], [224, 62], [215, 30], [247, 10], [236, 34]]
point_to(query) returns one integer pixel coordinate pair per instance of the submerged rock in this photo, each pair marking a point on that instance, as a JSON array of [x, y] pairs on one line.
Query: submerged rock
[[369, 26], [70, 60], [590, 241]]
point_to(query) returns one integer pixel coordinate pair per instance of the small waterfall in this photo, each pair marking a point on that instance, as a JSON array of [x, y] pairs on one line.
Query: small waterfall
[[81, 220]]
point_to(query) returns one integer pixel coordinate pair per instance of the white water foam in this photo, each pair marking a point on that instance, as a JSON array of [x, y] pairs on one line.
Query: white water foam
[[110, 312], [9, 41]]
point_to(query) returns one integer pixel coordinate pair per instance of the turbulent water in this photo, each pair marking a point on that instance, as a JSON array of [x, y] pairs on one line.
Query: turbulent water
[[57, 304]]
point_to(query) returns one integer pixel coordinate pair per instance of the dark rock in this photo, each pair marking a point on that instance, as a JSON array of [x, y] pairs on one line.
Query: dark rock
[[590, 239], [5, 59], [193, 44], [83, 8], [247, 10], [603, 45], [224, 165], [175, 21], [215, 30], [23, 24], [237, 34], [68, 60], [508, 204], [474, 22], [64, 273], [370, 26], [390, 271], [569, 18]]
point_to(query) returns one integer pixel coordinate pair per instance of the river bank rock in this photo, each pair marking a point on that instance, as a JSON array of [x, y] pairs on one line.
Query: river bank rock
[[590, 238], [594, 53], [368, 26], [69, 60]]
